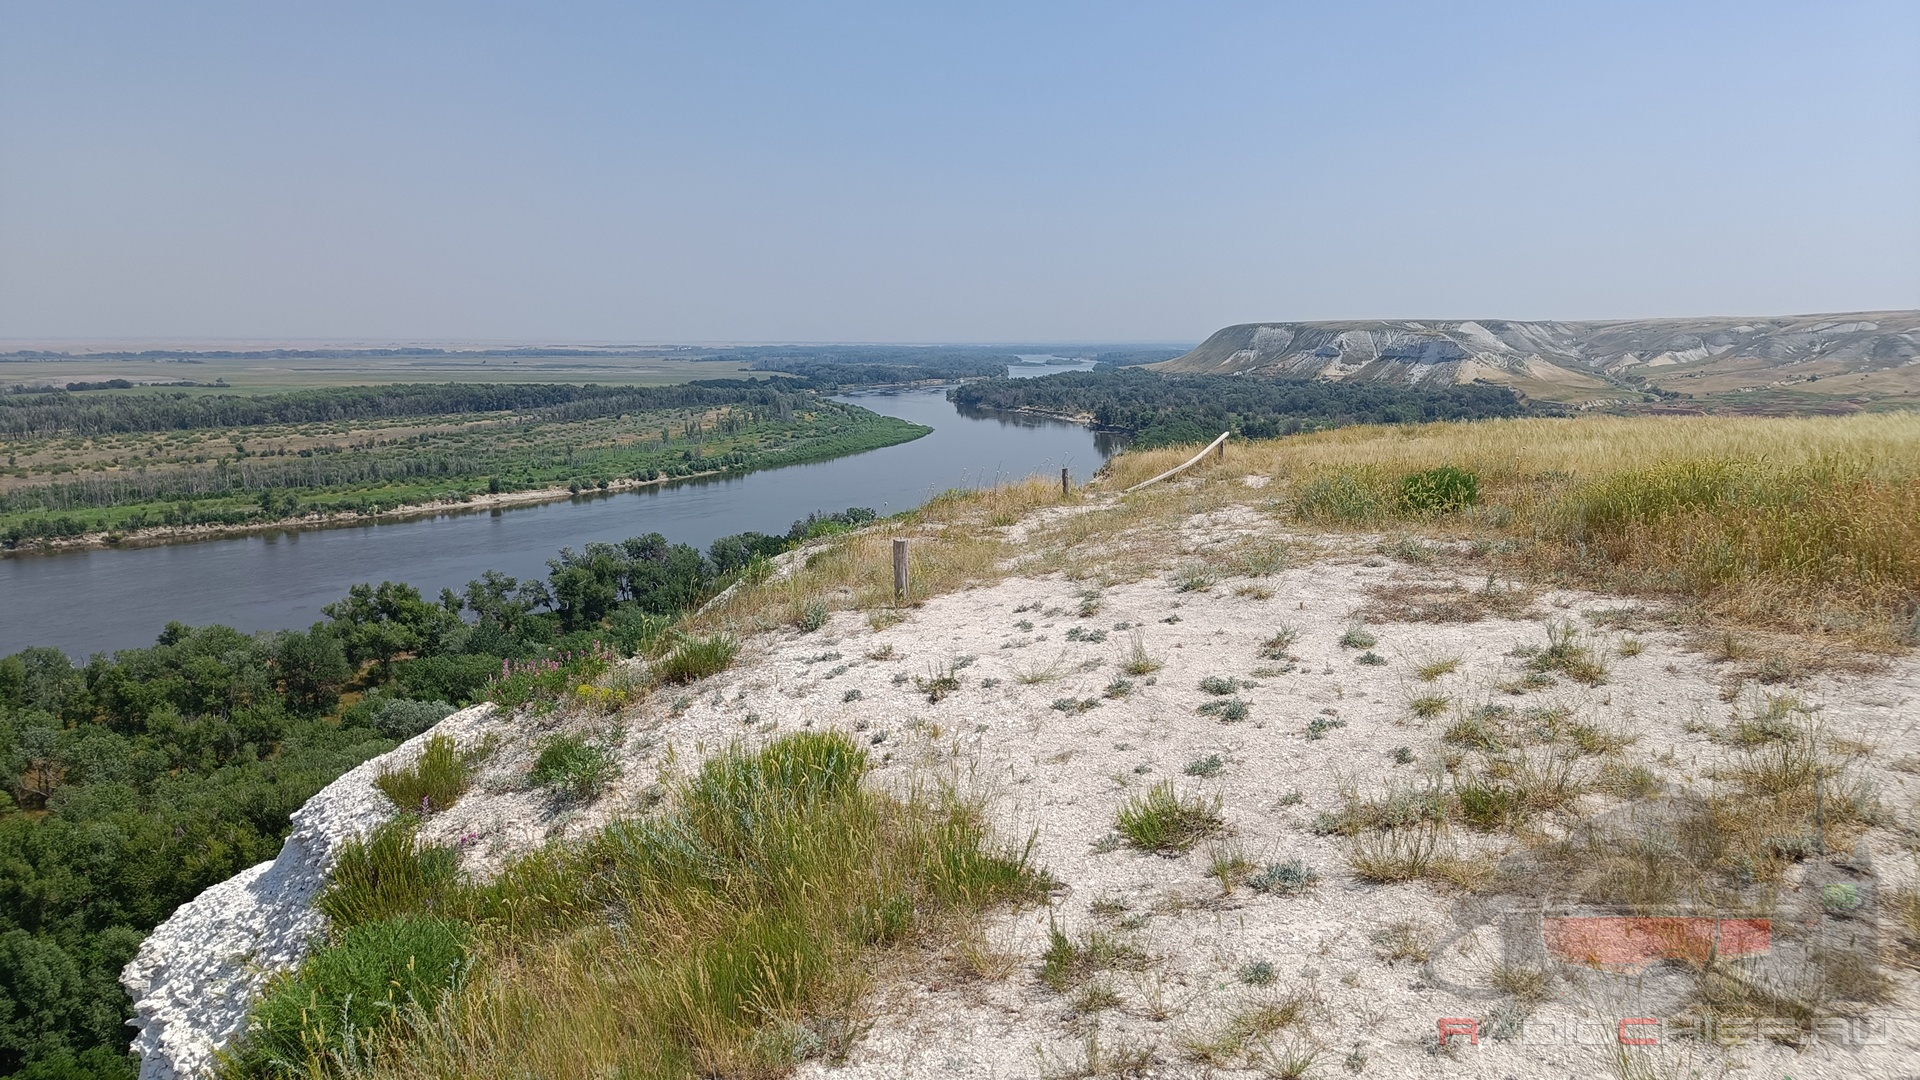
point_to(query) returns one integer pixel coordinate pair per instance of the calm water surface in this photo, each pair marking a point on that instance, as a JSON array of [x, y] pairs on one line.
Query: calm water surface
[[88, 601]]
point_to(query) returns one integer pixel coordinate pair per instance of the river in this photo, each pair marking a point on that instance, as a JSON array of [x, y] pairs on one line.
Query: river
[[93, 600]]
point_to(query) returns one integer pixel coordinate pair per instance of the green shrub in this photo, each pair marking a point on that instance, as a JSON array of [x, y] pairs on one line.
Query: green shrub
[[436, 780], [386, 874], [639, 633], [325, 1017], [1209, 766], [1227, 710], [460, 679], [697, 658], [1288, 878], [399, 718], [814, 615], [573, 766], [1438, 491]]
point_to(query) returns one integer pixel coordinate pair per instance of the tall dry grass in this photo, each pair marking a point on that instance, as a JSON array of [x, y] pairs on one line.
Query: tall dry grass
[[957, 539], [1809, 525]]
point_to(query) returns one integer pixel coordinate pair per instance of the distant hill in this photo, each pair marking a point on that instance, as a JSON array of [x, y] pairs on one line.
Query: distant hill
[[1846, 361]]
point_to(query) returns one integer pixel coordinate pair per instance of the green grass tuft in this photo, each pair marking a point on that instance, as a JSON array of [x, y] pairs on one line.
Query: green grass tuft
[[697, 658], [434, 782], [1161, 821]]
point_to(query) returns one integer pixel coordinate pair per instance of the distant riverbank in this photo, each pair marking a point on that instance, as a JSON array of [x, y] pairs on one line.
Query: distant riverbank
[[180, 534]]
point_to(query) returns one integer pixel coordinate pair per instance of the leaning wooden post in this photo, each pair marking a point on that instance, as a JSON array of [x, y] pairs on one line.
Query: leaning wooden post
[[1066, 485], [1222, 455], [899, 569]]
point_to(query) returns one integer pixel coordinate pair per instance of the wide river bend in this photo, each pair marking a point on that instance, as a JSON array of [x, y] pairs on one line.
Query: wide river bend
[[92, 600]]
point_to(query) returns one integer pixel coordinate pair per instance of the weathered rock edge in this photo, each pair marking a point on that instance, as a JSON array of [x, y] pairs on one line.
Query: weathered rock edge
[[199, 971]]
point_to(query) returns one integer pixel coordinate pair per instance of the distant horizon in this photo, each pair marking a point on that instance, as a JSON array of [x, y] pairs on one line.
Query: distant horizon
[[210, 344]]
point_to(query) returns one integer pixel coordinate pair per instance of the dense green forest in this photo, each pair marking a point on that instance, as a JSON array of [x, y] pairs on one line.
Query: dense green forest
[[25, 416], [1164, 410], [77, 465], [131, 782], [875, 365]]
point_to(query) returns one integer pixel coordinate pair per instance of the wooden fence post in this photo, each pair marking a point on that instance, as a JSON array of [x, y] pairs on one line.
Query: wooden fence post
[[1066, 485], [899, 570]]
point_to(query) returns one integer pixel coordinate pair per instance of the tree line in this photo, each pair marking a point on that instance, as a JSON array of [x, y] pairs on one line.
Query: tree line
[[1164, 410], [132, 782], [61, 413]]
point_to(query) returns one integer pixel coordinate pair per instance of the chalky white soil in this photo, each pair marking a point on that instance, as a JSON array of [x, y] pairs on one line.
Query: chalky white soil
[[1062, 775]]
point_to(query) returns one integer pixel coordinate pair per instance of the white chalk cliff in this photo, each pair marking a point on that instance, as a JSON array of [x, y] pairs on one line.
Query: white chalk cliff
[[197, 973]]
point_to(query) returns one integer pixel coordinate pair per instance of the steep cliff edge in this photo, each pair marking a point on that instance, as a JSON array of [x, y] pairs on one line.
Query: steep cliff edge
[[198, 972]]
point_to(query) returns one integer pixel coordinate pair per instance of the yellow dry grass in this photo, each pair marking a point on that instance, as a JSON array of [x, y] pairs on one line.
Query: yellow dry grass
[[1810, 525]]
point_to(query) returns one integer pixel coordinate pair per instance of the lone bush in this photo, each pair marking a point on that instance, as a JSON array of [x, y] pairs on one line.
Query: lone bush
[[399, 718]]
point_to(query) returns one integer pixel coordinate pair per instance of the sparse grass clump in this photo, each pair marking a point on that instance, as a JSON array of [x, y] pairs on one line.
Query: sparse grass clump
[[1565, 653], [1194, 577], [1163, 822], [1206, 767], [1227, 710], [1318, 727], [1138, 661], [434, 781], [1219, 685], [1289, 878], [1428, 706], [696, 658], [1386, 856], [1275, 647], [1403, 939], [1067, 961], [937, 683], [1358, 637], [1432, 669]]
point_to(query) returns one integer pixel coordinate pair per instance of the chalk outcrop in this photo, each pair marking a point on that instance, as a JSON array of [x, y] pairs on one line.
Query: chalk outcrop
[[198, 972], [1572, 360]]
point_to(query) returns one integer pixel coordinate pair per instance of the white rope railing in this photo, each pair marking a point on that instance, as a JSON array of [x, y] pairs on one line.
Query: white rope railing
[[1219, 443]]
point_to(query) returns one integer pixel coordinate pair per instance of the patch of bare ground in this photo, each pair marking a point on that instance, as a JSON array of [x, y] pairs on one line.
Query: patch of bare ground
[[1445, 602]]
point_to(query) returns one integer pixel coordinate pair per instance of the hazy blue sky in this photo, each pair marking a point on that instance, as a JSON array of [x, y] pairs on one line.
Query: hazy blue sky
[[712, 171]]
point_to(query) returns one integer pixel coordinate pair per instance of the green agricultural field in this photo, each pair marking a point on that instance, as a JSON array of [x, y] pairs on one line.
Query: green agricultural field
[[76, 464]]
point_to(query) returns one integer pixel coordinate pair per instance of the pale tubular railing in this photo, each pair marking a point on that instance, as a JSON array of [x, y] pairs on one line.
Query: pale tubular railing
[[1217, 444]]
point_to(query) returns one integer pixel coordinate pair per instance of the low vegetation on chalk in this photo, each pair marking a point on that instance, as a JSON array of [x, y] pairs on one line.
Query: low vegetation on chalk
[[750, 914]]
